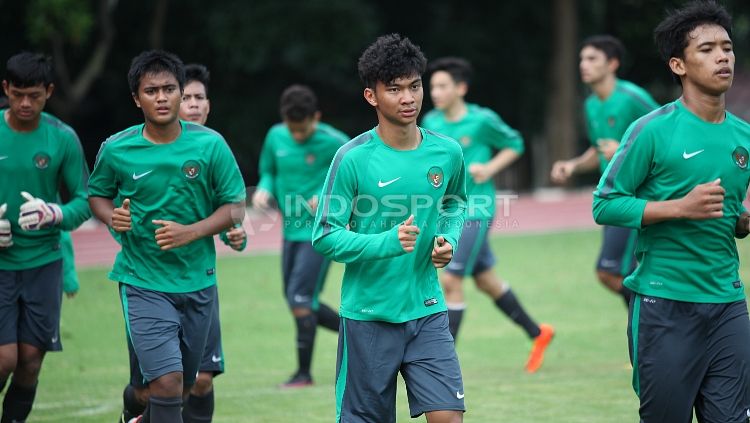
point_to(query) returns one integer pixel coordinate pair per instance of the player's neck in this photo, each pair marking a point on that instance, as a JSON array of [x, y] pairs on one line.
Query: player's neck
[[162, 134], [710, 108], [456, 111], [399, 137], [604, 88], [20, 125]]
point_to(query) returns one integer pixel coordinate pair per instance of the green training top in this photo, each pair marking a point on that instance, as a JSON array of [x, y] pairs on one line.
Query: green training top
[[479, 132], [373, 188], [294, 172], [663, 156], [40, 162], [183, 181], [610, 118]]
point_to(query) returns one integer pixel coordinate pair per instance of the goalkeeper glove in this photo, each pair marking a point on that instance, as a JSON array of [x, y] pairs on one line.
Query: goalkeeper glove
[[37, 214], [6, 237]]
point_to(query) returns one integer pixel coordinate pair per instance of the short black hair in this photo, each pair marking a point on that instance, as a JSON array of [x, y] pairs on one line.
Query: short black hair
[[390, 57], [28, 69], [297, 103], [671, 35], [610, 45], [458, 68], [155, 61], [199, 73]]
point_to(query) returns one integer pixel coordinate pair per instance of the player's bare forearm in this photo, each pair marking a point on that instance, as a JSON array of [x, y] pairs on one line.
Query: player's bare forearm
[[586, 162], [742, 228], [220, 220], [102, 208], [502, 159]]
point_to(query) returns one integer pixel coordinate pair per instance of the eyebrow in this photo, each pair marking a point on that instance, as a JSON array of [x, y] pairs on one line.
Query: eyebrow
[[413, 81], [712, 43]]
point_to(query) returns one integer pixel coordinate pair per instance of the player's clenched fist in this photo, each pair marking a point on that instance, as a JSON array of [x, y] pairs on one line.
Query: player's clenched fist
[[442, 252], [121, 219], [236, 237], [37, 214], [705, 201], [407, 234], [6, 237], [172, 234]]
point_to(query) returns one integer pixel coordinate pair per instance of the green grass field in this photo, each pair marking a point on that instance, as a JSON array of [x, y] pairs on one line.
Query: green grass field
[[586, 376]]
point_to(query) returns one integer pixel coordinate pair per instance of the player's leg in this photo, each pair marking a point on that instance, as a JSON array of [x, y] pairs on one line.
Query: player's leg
[[327, 317], [10, 290], [135, 395], [367, 363], [617, 259], [434, 385], [40, 303], [725, 393], [451, 278], [199, 406], [667, 341]]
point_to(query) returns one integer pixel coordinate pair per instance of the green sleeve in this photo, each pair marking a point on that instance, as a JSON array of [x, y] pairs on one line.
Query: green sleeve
[[500, 135], [453, 210], [75, 175], [103, 181], [70, 277], [615, 201], [330, 234], [267, 166], [226, 178]]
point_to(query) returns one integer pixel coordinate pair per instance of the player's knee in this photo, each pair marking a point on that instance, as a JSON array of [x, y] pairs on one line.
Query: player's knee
[[204, 384], [301, 311], [168, 385], [29, 366], [8, 363], [610, 280], [141, 395]]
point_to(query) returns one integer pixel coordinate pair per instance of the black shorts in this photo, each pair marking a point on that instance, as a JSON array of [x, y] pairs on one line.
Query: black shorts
[[30, 303], [690, 355], [617, 255], [304, 271], [473, 255]]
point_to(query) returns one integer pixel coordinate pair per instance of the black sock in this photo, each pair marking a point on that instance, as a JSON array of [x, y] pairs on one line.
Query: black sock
[[626, 294], [455, 315], [131, 407], [198, 409], [165, 410], [17, 403], [327, 318], [305, 341], [509, 304]]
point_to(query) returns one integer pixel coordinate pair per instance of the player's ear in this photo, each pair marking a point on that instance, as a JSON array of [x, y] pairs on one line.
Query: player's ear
[[677, 66], [613, 64], [5, 87], [135, 99], [50, 90], [370, 97], [462, 88]]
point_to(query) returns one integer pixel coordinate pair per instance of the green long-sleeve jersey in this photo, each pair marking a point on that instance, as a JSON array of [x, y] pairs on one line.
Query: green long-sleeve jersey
[[663, 156], [370, 190], [611, 117], [40, 162], [294, 173], [184, 181], [479, 132]]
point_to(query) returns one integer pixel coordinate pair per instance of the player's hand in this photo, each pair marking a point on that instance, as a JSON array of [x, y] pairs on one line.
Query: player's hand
[[562, 170], [705, 201], [172, 234], [261, 199], [71, 295], [236, 237], [407, 234], [6, 236], [37, 214], [313, 203], [479, 172], [608, 147], [121, 219], [442, 252]]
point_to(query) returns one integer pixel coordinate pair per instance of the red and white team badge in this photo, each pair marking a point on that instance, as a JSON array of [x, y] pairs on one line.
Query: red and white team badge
[[310, 159], [41, 160], [191, 169], [435, 176], [740, 156], [465, 140]]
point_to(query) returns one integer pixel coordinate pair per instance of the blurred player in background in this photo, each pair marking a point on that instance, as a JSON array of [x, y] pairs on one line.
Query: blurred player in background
[[479, 131], [38, 155], [612, 106], [295, 157], [179, 185]]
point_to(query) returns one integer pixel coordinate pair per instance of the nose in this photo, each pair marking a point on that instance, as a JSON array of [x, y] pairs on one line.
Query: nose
[[161, 95], [408, 97]]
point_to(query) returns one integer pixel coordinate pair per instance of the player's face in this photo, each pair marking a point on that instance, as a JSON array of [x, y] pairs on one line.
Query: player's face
[[398, 101], [26, 104], [159, 97], [195, 105], [708, 62], [444, 90], [301, 130], [593, 65]]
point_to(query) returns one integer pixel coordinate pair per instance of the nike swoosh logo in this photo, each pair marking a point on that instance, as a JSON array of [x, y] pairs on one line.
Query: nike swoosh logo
[[382, 184], [3, 157], [215, 359], [137, 177], [459, 395], [686, 155]]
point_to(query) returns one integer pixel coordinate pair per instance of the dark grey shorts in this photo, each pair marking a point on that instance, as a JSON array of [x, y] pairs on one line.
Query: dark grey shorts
[[213, 354], [371, 354], [617, 255], [304, 271], [30, 303], [690, 355], [167, 331], [473, 255]]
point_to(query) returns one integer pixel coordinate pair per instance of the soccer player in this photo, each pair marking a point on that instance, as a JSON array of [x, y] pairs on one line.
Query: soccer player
[[392, 209], [612, 106], [679, 176], [295, 157], [70, 277], [179, 185], [479, 130], [38, 154], [199, 406]]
